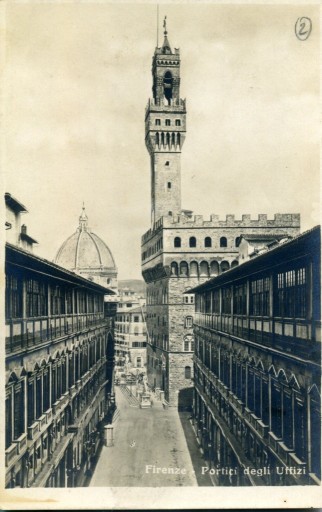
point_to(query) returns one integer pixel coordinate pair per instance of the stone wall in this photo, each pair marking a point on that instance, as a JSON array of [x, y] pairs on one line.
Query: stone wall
[[178, 382], [166, 325], [166, 179]]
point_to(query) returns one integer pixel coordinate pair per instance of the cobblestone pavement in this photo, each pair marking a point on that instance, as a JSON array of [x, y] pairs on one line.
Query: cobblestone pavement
[[144, 441]]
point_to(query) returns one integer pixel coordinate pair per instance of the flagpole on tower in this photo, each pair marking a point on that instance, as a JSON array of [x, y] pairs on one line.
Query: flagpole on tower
[[157, 25]]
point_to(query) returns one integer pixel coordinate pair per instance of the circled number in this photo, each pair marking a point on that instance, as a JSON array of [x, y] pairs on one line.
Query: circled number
[[303, 28]]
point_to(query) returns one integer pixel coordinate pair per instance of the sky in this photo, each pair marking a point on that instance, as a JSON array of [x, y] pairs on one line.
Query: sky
[[77, 78]]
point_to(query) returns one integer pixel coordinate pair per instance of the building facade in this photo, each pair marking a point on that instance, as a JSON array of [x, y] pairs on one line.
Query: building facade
[[130, 336], [59, 357], [16, 232], [130, 329], [88, 255], [181, 250], [257, 367]]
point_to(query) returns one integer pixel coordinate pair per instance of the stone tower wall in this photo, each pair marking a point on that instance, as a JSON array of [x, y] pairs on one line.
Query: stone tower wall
[[166, 177]]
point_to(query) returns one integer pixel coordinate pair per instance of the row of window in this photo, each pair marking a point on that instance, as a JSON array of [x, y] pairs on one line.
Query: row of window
[[42, 299], [167, 122], [126, 318], [279, 404], [126, 330], [43, 388], [280, 294], [154, 248], [188, 298], [42, 451], [159, 296], [178, 242], [125, 305], [207, 242]]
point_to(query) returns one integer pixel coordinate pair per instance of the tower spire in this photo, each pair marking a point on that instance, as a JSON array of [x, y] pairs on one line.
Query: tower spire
[[166, 48], [165, 25]]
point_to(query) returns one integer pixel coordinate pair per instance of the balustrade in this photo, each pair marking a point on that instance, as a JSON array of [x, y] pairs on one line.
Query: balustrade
[[285, 334], [22, 334]]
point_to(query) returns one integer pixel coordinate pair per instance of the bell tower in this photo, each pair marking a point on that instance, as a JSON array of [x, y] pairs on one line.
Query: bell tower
[[165, 129]]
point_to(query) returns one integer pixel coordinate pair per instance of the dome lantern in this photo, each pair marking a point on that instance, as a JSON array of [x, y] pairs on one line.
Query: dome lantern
[[88, 255], [83, 220]]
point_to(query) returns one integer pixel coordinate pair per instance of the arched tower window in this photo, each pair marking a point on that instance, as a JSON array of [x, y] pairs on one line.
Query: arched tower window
[[223, 241], [192, 241], [177, 241], [204, 269], [207, 241], [184, 268], [167, 86], [214, 268], [194, 269], [237, 240], [174, 268], [224, 266]]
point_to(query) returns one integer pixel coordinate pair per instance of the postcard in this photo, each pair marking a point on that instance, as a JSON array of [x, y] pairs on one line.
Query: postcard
[[161, 284]]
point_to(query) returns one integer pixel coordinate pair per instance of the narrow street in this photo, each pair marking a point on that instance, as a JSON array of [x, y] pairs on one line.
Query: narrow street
[[145, 440]]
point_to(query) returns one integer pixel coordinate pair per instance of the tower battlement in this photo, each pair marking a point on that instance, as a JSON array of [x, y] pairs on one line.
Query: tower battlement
[[280, 220], [261, 220], [175, 105]]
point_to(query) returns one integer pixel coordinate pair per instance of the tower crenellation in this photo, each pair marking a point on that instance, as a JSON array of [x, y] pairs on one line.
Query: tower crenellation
[[280, 220]]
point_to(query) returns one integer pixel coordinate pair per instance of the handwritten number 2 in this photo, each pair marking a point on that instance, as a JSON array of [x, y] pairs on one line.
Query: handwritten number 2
[[302, 27]]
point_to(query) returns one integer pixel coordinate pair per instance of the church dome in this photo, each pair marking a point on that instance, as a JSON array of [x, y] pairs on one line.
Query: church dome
[[87, 254]]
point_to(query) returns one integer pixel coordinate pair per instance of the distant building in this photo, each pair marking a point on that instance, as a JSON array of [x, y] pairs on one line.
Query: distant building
[[181, 250], [137, 286], [87, 255], [251, 245], [59, 357], [16, 231], [257, 367], [130, 330]]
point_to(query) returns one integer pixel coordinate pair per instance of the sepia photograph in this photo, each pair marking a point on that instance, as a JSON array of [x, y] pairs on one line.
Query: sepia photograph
[[161, 257]]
